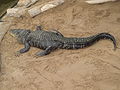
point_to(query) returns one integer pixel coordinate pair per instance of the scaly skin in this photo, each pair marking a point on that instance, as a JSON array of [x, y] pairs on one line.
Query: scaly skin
[[52, 40]]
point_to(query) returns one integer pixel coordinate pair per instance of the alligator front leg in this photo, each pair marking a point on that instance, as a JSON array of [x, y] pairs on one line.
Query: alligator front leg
[[23, 50]]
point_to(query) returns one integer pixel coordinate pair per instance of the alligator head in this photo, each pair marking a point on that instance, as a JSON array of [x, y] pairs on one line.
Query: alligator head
[[19, 34]]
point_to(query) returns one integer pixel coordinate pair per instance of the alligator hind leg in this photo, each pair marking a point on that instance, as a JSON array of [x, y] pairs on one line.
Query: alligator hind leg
[[23, 50], [45, 52], [57, 32], [49, 49]]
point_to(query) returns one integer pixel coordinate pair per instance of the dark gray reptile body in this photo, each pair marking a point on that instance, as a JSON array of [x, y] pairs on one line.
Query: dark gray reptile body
[[51, 40]]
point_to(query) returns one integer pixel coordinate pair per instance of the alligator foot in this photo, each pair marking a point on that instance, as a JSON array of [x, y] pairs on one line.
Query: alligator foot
[[39, 54]]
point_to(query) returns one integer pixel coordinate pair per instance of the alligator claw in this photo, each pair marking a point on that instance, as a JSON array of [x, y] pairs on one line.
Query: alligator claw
[[17, 54]]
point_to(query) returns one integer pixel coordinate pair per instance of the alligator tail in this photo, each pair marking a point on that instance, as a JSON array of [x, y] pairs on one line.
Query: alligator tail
[[106, 36], [77, 43]]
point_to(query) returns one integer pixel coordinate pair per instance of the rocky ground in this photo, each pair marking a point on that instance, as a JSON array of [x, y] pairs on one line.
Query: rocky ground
[[93, 68]]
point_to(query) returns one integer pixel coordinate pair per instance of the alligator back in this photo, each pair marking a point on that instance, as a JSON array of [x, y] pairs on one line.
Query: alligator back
[[76, 43], [42, 39]]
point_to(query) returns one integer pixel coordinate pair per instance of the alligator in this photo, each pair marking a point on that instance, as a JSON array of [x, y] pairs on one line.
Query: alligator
[[50, 40]]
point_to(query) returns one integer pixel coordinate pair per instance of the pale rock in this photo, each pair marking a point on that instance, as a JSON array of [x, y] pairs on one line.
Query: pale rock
[[56, 2], [41, 8], [16, 12], [34, 11], [47, 6], [98, 1], [26, 3]]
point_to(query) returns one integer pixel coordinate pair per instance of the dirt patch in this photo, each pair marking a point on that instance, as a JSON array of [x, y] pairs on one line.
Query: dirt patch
[[93, 68]]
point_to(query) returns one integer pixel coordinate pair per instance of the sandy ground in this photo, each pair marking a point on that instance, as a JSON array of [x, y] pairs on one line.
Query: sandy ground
[[93, 68]]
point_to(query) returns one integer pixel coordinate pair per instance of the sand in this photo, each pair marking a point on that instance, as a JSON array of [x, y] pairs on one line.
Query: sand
[[94, 68]]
